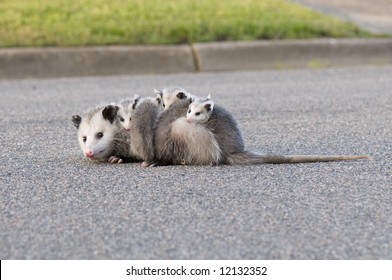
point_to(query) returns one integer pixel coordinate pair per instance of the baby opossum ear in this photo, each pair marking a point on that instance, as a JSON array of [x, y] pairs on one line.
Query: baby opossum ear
[[181, 95], [191, 97], [136, 99], [110, 113], [76, 119], [208, 97], [209, 105], [159, 100], [157, 92]]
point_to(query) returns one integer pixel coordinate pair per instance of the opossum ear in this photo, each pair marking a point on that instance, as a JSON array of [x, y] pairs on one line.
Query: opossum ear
[[159, 93], [76, 119], [209, 105], [159, 100], [181, 95], [136, 99], [110, 113], [208, 97], [191, 97]]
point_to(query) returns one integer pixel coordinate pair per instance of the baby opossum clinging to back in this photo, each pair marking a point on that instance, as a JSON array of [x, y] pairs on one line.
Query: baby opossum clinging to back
[[125, 109], [127, 106], [100, 136], [209, 135], [145, 114], [171, 95]]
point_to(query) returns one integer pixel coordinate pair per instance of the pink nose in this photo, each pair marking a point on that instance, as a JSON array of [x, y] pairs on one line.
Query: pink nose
[[89, 154]]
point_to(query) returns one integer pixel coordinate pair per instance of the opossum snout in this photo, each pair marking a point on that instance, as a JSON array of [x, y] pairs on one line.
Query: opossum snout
[[89, 154]]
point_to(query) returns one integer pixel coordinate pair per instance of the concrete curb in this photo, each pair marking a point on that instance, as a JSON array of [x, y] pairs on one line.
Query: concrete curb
[[91, 61], [293, 54], [221, 56]]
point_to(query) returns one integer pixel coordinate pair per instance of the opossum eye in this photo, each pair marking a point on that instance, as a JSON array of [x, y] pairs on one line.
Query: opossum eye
[[197, 113], [99, 135], [84, 139], [189, 111], [121, 119], [130, 119], [163, 104]]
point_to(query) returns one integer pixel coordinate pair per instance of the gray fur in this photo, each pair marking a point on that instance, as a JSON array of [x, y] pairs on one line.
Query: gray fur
[[226, 132], [169, 149], [221, 128], [230, 140], [142, 131], [180, 142], [171, 95]]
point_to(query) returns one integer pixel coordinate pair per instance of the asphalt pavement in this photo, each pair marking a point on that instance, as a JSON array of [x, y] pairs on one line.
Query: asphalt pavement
[[55, 204]]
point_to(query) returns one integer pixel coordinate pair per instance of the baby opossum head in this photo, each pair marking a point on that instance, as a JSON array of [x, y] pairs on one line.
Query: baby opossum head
[[171, 95], [157, 101], [200, 110], [126, 107], [96, 132]]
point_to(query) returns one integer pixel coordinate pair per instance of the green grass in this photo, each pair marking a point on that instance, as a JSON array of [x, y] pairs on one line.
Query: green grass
[[109, 22]]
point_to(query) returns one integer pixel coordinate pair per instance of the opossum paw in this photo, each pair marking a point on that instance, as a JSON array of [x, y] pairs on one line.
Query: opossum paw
[[114, 159], [148, 164]]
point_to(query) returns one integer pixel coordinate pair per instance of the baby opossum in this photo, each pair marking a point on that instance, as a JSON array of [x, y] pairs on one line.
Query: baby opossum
[[125, 112], [209, 135], [170, 149], [100, 136], [127, 106], [145, 114], [171, 95]]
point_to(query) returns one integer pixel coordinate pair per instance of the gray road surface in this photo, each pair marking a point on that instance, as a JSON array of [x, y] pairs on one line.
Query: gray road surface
[[55, 204]]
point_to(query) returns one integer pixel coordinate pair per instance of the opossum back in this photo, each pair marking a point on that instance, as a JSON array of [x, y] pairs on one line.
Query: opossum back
[[195, 144], [142, 130], [226, 131]]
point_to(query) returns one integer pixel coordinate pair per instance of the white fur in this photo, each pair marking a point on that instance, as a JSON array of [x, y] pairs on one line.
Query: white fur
[[96, 148], [197, 110], [202, 146]]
